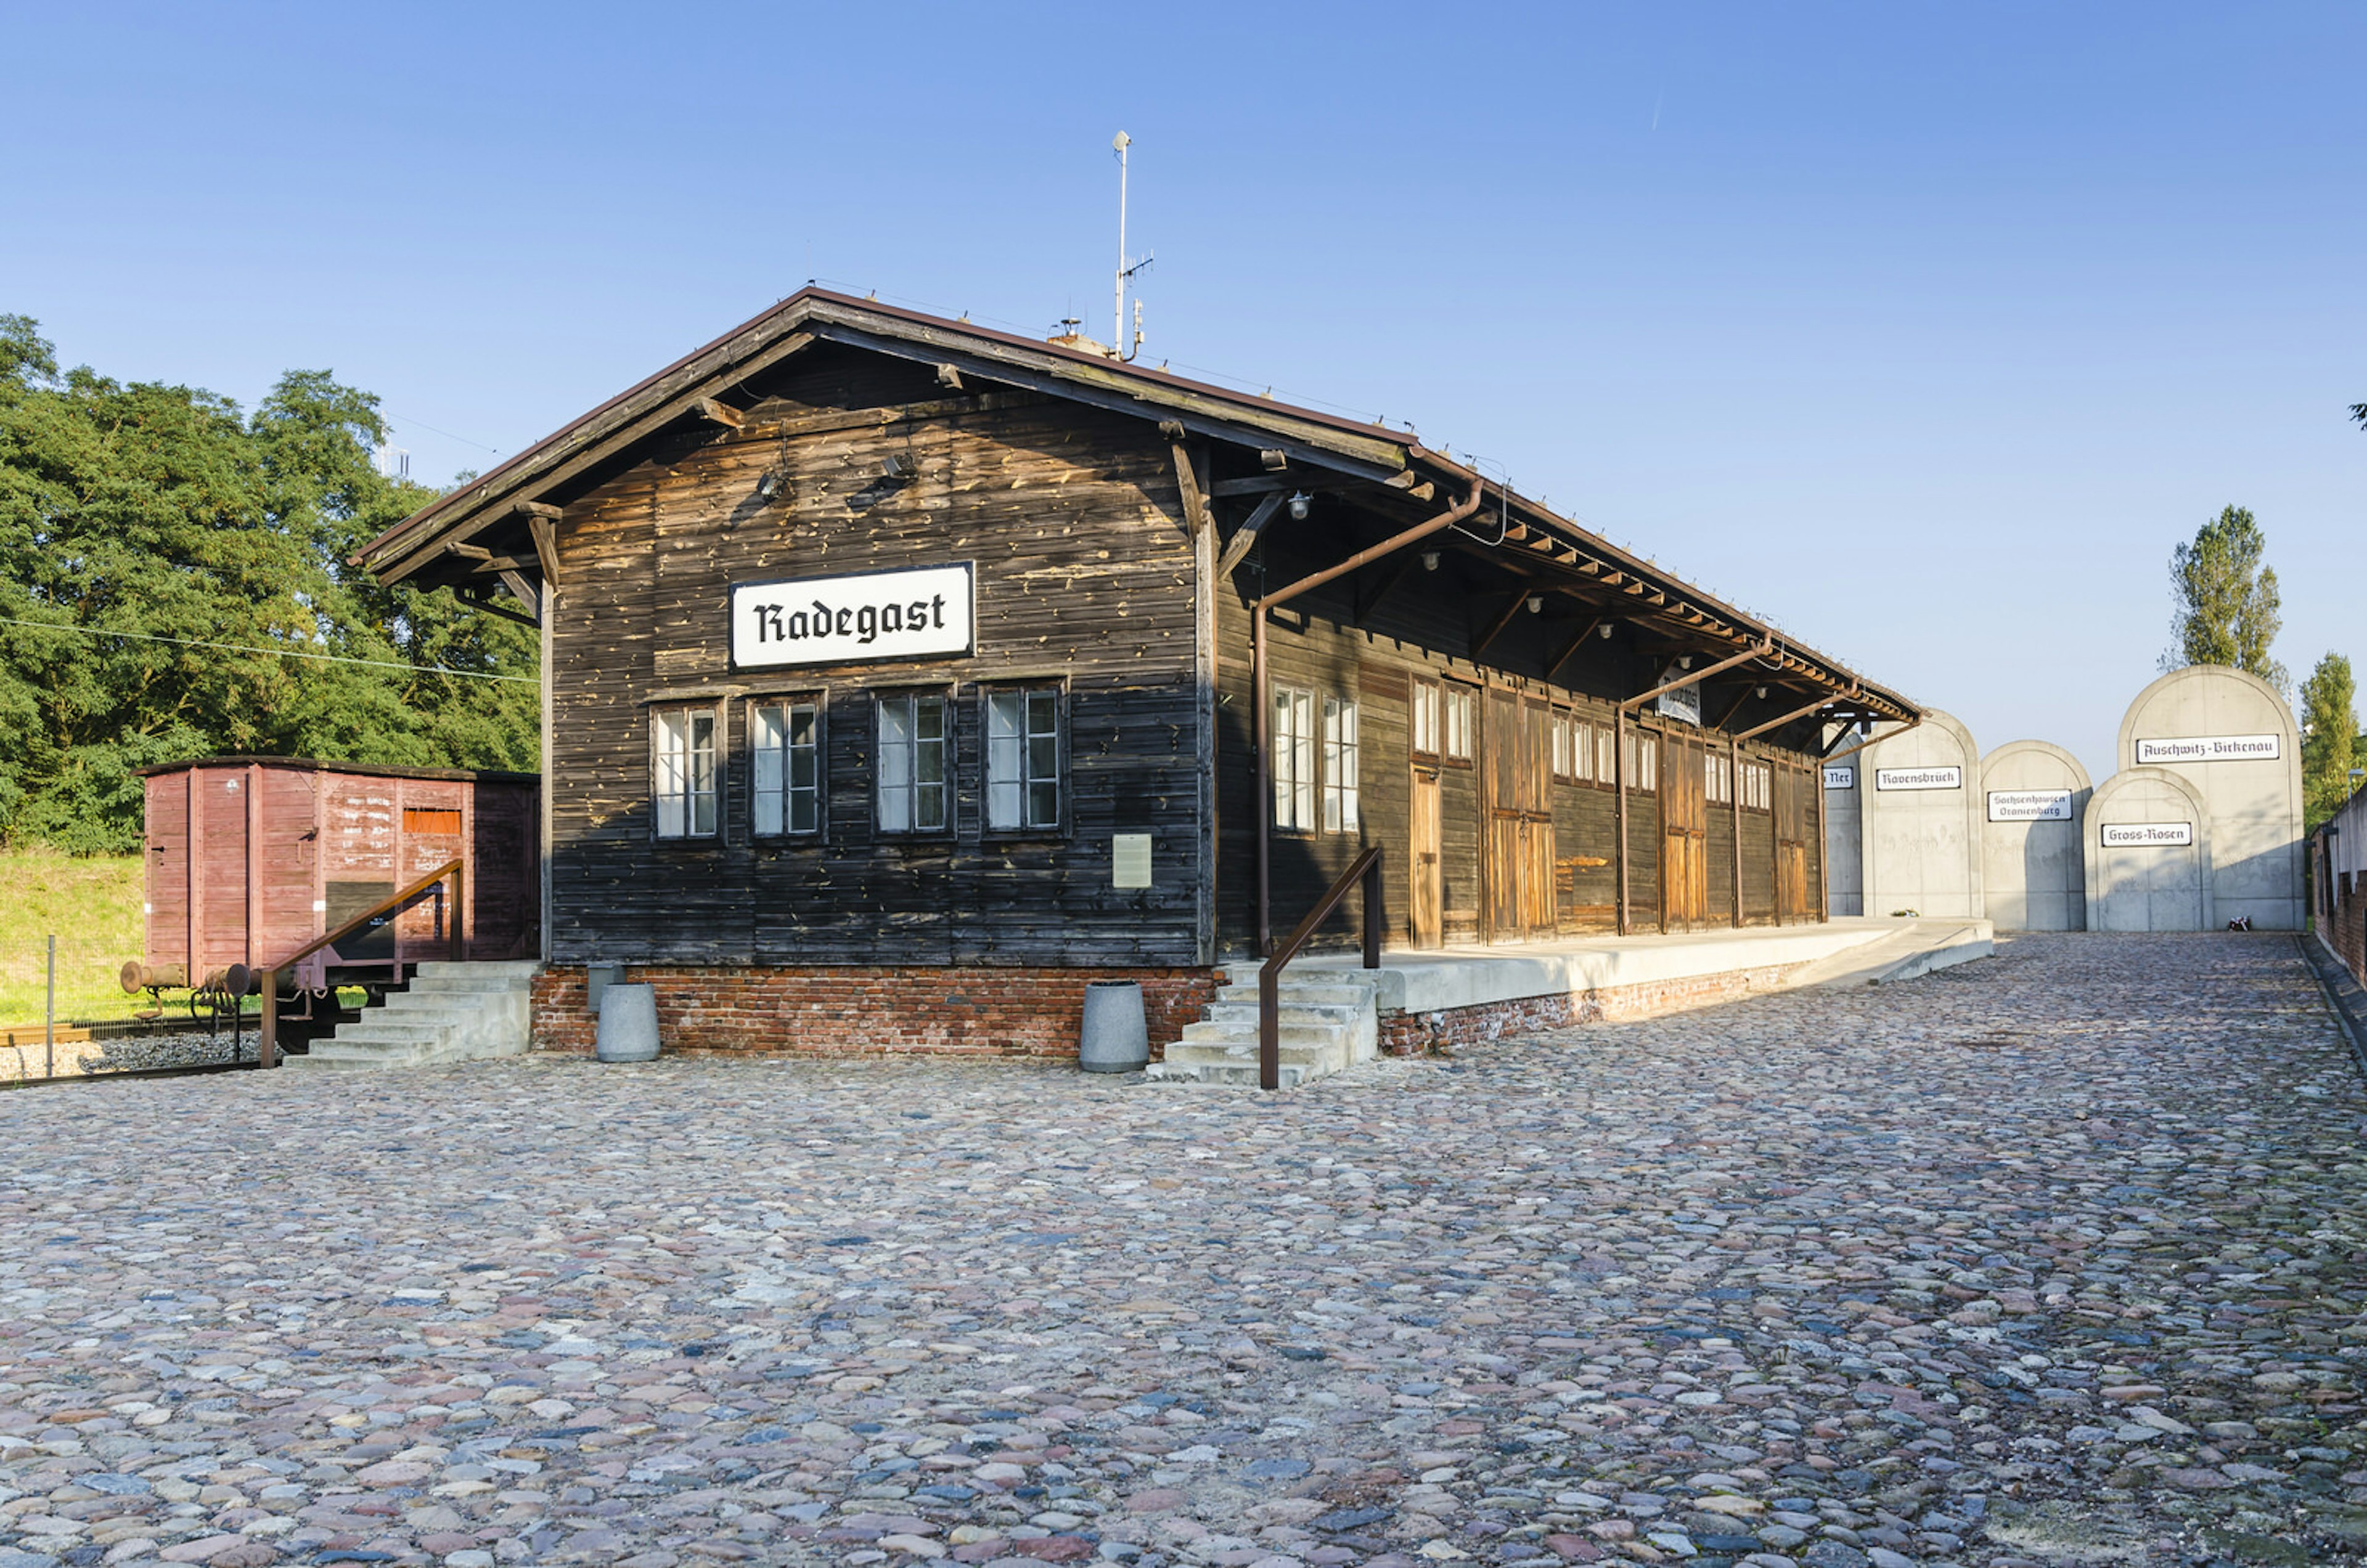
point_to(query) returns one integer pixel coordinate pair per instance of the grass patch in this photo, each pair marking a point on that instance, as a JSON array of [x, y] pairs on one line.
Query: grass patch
[[92, 904]]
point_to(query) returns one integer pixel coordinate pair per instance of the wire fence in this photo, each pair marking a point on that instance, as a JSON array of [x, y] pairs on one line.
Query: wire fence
[[188, 1034]]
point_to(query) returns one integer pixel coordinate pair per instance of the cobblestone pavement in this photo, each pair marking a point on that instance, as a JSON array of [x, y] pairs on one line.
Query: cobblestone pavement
[[2051, 1258]]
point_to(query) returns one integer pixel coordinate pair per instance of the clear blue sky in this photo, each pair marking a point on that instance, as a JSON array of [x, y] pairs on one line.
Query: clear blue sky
[[1926, 331]]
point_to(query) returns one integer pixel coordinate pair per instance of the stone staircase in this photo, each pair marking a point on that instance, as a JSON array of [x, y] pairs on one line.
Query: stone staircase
[[1330, 1023], [453, 1012]]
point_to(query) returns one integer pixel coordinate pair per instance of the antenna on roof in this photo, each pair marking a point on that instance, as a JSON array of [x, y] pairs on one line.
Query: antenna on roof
[[1125, 270]]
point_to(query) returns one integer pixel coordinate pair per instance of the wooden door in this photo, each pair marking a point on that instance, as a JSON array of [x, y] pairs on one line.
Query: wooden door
[[1684, 833], [1791, 818], [1429, 892], [1518, 781]]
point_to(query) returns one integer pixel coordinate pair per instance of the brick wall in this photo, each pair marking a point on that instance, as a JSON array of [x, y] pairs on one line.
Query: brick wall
[[871, 1011], [1410, 1033], [2346, 927]]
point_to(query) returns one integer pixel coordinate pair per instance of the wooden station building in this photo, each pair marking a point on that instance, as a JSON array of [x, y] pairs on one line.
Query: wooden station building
[[900, 676]]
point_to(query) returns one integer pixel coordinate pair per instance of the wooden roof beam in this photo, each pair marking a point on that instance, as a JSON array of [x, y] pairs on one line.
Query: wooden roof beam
[[1245, 537], [1496, 627], [716, 411]]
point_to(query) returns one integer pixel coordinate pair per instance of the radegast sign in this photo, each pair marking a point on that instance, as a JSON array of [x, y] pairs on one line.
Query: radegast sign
[[1918, 778], [2029, 806], [2210, 749], [2147, 835], [865, 617]]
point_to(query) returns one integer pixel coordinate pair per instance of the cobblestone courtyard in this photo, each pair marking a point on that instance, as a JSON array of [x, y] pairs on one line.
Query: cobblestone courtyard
[[2054, 1258]]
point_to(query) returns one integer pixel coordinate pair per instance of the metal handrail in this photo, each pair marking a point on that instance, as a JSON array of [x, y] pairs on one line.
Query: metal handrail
[[267, 1036], [1366, 868]]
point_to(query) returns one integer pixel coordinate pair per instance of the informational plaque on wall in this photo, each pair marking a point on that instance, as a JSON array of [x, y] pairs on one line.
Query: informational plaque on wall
[[2210, 749], [2147, 835], [1840, 778], [1918, 778], [2029, 806], [865, 617], [1129, 860]]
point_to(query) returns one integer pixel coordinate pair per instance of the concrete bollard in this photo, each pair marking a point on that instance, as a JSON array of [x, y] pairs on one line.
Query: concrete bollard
[[1115, 1039], [629, 1025]]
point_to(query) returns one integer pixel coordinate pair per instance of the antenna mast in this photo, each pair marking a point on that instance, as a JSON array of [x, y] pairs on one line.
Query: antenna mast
[[1117, 315], [1125, 270]]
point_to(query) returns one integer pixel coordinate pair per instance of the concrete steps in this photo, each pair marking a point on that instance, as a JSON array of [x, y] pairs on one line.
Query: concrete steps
[[1329, 1022], [453, 1012]]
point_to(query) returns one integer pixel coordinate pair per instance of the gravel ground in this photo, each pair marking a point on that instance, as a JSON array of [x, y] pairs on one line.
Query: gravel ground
[[2055, 1257], [187, 1048]]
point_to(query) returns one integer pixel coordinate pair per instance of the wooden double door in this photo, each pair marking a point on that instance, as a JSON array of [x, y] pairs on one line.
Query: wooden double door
[[1516, 789], [1684, 830]]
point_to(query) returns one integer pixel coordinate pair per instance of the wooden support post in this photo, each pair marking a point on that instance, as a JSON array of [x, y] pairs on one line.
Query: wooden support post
[[542, 523], [1824, 855], [267, 1038], [1567, 654], [1245, 537], [1619, 795], [1196, 503], [1734, 804], [1496, 627]]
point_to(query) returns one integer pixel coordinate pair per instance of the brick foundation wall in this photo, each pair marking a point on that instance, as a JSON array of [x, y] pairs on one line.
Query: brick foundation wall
[[871, 1011], [1410, 1033], [2346, 930]]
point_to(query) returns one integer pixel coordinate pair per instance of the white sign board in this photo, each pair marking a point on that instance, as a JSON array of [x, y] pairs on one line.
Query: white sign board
[[2210, 749], [1129, 860], [1840, 778], [927, 612], [1684, 703], [2147, 835], [1918, 778], [2029, 806]]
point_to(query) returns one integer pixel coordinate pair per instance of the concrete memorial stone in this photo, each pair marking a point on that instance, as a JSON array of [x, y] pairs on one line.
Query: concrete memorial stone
[[2233, 741], [2034, 865], [2147, 843], [1919, 833]]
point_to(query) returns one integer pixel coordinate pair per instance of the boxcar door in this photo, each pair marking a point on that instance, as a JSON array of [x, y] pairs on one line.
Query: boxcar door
[[1684, 832], [1429, 892]]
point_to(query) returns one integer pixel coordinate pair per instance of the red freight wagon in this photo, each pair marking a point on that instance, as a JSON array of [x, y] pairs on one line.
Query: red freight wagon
[[250, 858]]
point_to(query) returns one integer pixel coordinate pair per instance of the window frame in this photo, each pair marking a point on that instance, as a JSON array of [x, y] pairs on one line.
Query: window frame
[[946, 741], [1340, 768], [1298, 747], [1457, 694], [718, 753], [819, 701], [1420, 689], [1642, 769], [1058, 691]]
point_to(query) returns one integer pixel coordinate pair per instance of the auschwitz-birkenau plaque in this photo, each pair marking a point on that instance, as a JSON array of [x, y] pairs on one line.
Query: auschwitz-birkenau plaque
[[1918, 778], [2147, 835], [2210, 749], [2029, 806], [926, 612]]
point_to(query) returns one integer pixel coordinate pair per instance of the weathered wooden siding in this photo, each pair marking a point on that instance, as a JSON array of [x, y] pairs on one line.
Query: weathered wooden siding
[[1083, 571]]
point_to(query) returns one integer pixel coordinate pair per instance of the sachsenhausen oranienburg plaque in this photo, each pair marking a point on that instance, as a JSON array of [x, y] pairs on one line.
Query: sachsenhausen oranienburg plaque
[[2029, 806], [925, 612], [1918, 778], [2147, 835], [2210, 749]]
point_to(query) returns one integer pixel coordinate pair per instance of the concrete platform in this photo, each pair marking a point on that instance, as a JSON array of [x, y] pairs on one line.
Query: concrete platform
[[1633, 975]]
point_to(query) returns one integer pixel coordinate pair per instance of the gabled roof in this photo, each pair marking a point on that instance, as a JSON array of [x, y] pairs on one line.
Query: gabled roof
[[1359, 455]]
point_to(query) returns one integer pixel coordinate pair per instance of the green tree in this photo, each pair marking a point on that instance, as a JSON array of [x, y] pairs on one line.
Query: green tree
[[153, 512], [2224, 604], [2329, 735]]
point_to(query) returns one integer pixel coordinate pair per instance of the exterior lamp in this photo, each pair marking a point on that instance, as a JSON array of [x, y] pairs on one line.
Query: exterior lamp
[[1685, 661], [1430, 560], [1298, 506], [1536, 603], [1606, 631]]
